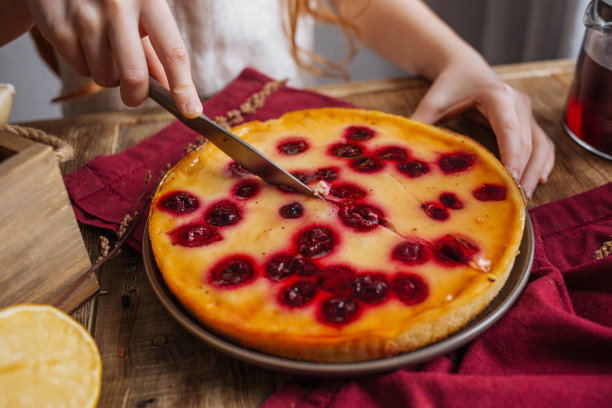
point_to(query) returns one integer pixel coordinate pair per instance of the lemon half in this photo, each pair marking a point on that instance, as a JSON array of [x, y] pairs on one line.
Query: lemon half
[[47, 359]]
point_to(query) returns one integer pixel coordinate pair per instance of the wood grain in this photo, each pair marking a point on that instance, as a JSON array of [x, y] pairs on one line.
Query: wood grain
[[42, 252], [149, 359]]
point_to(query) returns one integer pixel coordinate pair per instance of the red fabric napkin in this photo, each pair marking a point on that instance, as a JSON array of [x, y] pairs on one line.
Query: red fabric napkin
[[552, 349], [108, 187]]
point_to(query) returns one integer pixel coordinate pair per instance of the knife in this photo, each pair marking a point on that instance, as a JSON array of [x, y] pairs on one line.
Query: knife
[[236, 148]]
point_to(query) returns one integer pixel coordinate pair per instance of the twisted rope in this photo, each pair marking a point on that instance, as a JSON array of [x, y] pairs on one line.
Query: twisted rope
[[62, 149]]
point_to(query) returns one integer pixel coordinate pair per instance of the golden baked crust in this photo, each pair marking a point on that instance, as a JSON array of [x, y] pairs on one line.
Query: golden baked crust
[[421, 240]]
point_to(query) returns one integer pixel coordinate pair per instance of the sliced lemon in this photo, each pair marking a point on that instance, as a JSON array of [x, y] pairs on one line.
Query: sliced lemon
[[47, 359]]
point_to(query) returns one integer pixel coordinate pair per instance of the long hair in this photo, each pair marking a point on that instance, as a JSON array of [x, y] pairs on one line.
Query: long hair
[[295, 11]]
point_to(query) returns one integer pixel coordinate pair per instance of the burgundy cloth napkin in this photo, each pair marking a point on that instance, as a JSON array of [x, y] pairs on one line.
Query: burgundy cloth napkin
[[552, 349], [107, 188]]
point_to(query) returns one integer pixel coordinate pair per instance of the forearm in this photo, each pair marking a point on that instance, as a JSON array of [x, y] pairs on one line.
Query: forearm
[[408, 34], [15, 20]]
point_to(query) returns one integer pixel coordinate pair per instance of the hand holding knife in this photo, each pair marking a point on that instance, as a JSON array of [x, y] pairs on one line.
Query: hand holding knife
[[236, 148]]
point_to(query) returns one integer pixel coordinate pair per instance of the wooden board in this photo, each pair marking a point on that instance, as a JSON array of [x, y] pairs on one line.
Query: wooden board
[[42, 253]]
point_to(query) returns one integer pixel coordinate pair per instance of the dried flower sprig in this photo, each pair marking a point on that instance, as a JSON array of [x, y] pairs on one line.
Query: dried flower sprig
[[127, 219], [125, 229], [251, 105], [199, 141], [605, 250], [104, 246]]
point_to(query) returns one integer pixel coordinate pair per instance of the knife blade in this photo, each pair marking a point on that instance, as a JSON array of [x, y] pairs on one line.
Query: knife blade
[[236, 148]]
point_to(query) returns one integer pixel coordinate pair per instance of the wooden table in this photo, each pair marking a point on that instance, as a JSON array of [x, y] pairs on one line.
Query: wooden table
[[149, 360]]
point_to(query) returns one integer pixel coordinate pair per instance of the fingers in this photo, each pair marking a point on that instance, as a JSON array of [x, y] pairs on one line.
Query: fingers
[[69, 47], [499, 108], [102, 39], [541, 161], [522, 106], [438, 103], [50, 18], [429, 109], [93, 39], [524, 147], [156, 69], [129, 56], [168, 45]]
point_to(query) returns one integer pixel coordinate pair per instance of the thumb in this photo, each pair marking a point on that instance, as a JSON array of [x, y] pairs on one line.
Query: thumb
[[430, 109]]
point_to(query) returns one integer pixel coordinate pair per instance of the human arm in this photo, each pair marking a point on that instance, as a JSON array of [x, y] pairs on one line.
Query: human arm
[[117, 43], [408, 34]]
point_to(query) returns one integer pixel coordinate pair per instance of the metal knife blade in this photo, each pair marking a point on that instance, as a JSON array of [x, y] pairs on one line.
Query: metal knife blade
[[236, 148]]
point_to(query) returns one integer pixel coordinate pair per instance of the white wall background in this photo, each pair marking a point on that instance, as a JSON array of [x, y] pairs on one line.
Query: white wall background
[[504, 31]]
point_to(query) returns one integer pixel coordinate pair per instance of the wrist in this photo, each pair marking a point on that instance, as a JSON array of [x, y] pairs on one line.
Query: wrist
[[457, 56]]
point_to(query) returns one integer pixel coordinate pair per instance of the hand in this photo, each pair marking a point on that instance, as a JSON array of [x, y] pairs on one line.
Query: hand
[[119, 43], [525, 149]]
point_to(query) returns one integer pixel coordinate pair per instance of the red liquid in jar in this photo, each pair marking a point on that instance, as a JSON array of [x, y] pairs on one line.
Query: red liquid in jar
[[589, 107]]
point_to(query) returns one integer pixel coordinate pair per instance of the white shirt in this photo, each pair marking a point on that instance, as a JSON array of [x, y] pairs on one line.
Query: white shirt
[[222, 38]]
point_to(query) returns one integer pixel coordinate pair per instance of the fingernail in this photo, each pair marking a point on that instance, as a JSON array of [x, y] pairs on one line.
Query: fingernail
[[193, 107]]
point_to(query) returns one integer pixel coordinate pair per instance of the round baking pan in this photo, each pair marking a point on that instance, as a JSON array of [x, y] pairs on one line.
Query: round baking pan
[[496, 309]]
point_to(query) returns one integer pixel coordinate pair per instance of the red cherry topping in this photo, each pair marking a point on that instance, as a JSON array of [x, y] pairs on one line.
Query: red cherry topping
[[179, 203], [293, 210], [409, 288], [222, 214], [194, 235], [237, 170], [299, 293], [410, 252], [346, 150], [337, 280], [339, 310], [435, 210], [285, 188], [454, 250], [316, 242], [366, 164], [392, 153], [450, 200], [346, 190], [359, 133], [303, 177], [303, 267], [370, 288], [490, 192], [293, 146], [279, 267], [414, 168], [456, 162], [359, 216], [327, 174], [245, 190], [232, 272]]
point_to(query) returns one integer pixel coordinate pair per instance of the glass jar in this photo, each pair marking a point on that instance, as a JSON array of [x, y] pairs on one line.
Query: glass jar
[[588, 114]]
